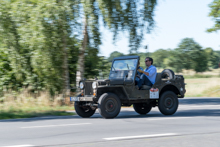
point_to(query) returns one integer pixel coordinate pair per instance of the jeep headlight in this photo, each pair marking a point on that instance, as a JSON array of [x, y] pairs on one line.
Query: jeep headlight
[[94, 85], [81, 85]]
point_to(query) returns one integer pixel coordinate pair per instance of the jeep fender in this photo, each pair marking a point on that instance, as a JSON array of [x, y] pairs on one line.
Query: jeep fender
[[118, 90], [171, 87]]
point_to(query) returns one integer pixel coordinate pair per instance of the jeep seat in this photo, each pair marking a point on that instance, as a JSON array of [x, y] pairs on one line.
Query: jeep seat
[[158, 78]]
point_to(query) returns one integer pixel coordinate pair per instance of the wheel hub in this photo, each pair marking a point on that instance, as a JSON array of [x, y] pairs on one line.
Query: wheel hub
[[168, 102], [110, 105]]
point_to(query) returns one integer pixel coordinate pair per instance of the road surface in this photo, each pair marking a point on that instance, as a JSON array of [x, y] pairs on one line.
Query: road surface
[[196, 123]]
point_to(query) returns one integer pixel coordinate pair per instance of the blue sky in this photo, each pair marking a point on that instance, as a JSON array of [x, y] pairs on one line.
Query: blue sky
[[175, 20]]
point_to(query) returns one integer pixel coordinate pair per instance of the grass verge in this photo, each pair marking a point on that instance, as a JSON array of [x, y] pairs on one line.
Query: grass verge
[[212, 92], [30, 114], [26, 105]]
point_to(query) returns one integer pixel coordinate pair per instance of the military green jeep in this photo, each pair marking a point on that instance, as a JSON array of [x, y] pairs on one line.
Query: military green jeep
[[119, 90]]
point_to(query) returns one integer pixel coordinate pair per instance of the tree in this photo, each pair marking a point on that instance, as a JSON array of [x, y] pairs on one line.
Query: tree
[[213, 58], [174, 61], [159, 56], [200, 61], [37, 36], [215, 14], [135, 17], [190, 54]]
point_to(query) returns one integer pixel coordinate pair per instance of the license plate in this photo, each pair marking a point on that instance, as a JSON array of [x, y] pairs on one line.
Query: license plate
[[74, 99]]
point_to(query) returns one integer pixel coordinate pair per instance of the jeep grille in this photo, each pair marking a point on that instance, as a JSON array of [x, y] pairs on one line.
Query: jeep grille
[[88, 88]]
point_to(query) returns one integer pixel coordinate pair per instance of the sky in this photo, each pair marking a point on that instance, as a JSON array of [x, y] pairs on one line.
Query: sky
[[175, 20]]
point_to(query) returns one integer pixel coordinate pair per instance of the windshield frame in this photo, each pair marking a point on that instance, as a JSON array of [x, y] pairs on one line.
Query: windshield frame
[[124, 65], [127, 74]]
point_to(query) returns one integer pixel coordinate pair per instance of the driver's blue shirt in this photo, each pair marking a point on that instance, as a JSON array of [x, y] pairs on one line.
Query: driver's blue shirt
[[152, 73]]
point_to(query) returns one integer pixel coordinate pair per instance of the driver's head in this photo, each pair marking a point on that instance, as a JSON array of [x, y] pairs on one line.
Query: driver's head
[[148, 61]]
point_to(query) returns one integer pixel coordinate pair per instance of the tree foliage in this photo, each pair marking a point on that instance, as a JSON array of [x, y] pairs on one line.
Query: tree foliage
[[215, 14], [135, 17], [191, 55], [35, 38], [213, 58], [159, 56]]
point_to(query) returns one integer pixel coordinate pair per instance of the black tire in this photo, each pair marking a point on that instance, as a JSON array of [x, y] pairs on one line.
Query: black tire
[[109, 105], [167, 73], [142, 108], [168, 103], [83, 111]]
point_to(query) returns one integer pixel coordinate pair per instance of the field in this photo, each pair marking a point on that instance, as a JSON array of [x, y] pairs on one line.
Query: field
[[206, 84], [203, 87]]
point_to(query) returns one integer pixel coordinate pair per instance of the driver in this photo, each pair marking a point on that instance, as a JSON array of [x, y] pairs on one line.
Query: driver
[[149, 74]]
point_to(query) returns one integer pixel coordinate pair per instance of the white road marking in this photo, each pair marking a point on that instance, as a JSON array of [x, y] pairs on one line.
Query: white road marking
[[198, 106], [63, 125], [141, 136], [20, 146], [209, 107], [165, 118]]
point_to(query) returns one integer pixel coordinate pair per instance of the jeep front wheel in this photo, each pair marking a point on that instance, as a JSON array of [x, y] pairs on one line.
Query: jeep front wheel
[[168, 103], [142, 108], [83, 111], [109, 105]]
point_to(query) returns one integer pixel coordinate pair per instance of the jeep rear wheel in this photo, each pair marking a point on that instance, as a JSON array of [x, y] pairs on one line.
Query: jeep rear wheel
[[142, 108], [83, 111], [109, 105], [168, 103]]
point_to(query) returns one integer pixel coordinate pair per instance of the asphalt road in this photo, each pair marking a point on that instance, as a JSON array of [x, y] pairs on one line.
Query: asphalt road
[[196, 123]]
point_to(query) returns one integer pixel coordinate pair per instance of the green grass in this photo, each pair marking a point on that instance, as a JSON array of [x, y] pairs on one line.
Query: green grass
[[200, 76], [30, 114]]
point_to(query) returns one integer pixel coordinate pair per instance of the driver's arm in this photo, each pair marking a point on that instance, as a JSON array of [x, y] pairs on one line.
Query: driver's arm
[[146, 73], [150, 73], [141, 71]]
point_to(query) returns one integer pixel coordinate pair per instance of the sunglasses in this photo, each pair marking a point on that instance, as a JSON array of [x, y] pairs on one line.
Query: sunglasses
[[146, 60]]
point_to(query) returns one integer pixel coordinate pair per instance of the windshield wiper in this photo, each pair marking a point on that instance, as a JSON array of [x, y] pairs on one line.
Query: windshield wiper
[[128, 66], [114, 68]]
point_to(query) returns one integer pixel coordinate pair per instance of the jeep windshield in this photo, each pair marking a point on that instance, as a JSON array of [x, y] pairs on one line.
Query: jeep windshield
[[128, 64]]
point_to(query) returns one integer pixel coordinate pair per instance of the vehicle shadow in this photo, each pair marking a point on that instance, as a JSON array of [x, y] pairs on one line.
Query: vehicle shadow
[[180, 113], [200, 101]]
